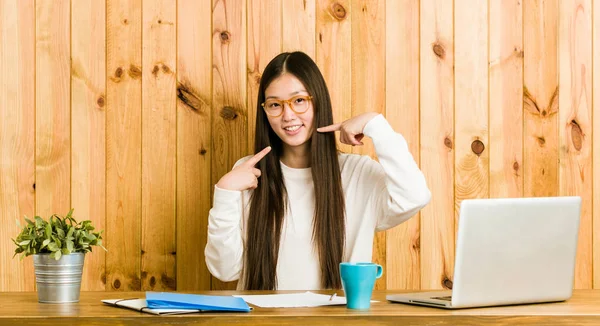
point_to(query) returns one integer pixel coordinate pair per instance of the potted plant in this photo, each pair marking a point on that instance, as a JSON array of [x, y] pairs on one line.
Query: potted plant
[[58, 246]]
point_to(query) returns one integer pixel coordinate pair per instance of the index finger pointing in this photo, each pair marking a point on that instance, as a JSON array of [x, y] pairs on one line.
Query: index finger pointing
[[256, 158], [333, 127]]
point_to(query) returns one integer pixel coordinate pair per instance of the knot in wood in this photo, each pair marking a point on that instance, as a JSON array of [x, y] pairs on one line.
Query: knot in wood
[[338, 11], [225, 36], [477, 147], [447, 283], [228, 113], [439, 50], [100, 101], [576, 135], [117, 284], [448, 142]]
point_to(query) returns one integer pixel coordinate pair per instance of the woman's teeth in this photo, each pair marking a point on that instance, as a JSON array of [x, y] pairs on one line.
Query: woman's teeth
[[292, 128]]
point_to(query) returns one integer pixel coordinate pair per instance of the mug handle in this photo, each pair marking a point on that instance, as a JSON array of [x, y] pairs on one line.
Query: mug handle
[[379, 271]]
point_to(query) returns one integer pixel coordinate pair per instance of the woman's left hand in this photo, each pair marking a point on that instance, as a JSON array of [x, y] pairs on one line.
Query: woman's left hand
[[351, 130]]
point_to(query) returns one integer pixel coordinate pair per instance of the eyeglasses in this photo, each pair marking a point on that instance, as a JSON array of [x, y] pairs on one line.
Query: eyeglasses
[[298, 104]]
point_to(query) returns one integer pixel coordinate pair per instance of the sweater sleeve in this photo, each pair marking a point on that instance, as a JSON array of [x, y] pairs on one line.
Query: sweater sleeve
[[400, 189], [225, 245]]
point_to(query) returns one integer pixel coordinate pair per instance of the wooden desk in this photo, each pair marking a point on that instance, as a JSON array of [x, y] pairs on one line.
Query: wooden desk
[[23, 309]]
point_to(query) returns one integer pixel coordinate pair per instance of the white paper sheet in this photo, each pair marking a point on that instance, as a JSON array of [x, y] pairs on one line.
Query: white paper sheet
[[292, 300]]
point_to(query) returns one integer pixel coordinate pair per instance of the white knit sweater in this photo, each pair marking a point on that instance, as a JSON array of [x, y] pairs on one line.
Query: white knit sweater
[[378, 196]]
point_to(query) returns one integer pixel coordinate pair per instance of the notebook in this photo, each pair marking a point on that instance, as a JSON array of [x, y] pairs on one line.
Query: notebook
[[142, 306], [171, 300]]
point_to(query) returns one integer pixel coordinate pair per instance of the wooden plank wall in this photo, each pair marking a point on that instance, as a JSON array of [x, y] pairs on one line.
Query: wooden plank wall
[[130, 111]]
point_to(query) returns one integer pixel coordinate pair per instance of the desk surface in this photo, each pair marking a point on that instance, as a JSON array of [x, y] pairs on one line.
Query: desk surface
[[22, 308]]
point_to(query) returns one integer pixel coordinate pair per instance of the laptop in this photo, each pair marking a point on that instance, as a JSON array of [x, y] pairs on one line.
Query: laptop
[[510, 251]]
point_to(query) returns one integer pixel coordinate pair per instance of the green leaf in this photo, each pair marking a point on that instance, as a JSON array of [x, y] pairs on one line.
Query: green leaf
[[45, 243], [70, 246], [61, 233], [48, 230], [56, 255], [29, 221], [24, 243], [53, 247], [66, 251], [70, 233]]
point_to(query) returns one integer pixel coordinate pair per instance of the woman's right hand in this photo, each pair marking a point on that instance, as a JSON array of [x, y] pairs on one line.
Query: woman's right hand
[[244, 176]]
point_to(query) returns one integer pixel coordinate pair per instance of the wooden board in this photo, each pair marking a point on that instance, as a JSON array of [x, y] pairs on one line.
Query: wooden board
[[17, 137], [368, 84], [540, 98], [159, 121], [596, 140], [264, 43], [471, 101], [193, 142], [298, 26], [123, 144], [230, 130], [53, 109], [402, 111], [437, 142], [88, 120], [575, 122], [506, 98], [333, 56]]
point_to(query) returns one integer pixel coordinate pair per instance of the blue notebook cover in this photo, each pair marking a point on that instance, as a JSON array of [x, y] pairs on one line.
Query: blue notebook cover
[[170, 300]]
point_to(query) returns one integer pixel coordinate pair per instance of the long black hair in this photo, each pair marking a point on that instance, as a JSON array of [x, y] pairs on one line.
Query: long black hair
[[268, 206]]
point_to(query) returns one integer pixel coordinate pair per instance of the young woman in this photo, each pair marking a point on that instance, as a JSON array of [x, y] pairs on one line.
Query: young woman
[[286, 217]]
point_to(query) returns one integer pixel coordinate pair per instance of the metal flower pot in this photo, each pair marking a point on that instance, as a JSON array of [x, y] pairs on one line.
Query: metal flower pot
[[58, 281]]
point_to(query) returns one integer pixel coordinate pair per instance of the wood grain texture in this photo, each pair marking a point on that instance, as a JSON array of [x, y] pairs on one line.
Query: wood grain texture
[[124, 144], [159, 121], [264, 43], [298, 26], [333, 56], [17, 137], [437, 142], [540, 98], [53, 109], [471, 101], [88, 121], [23, 309], [229, 71], [506, 98], [596, 140], [368, 84], [193, 142], [575, 123], [403, 255]]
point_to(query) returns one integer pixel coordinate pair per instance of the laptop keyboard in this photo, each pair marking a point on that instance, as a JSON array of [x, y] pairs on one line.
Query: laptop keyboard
[[445, 298]]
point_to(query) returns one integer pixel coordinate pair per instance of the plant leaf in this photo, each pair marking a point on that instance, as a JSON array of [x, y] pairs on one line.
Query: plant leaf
[[48, 230], [53, 247]]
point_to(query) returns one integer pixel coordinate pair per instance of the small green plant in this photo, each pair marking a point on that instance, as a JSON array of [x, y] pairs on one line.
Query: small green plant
[[58, 236]]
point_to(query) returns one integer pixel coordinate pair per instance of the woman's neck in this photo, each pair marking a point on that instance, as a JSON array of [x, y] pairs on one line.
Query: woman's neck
[[297, 157]]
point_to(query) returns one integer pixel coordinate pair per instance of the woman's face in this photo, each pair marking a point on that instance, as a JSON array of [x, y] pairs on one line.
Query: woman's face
[[293, 128]]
